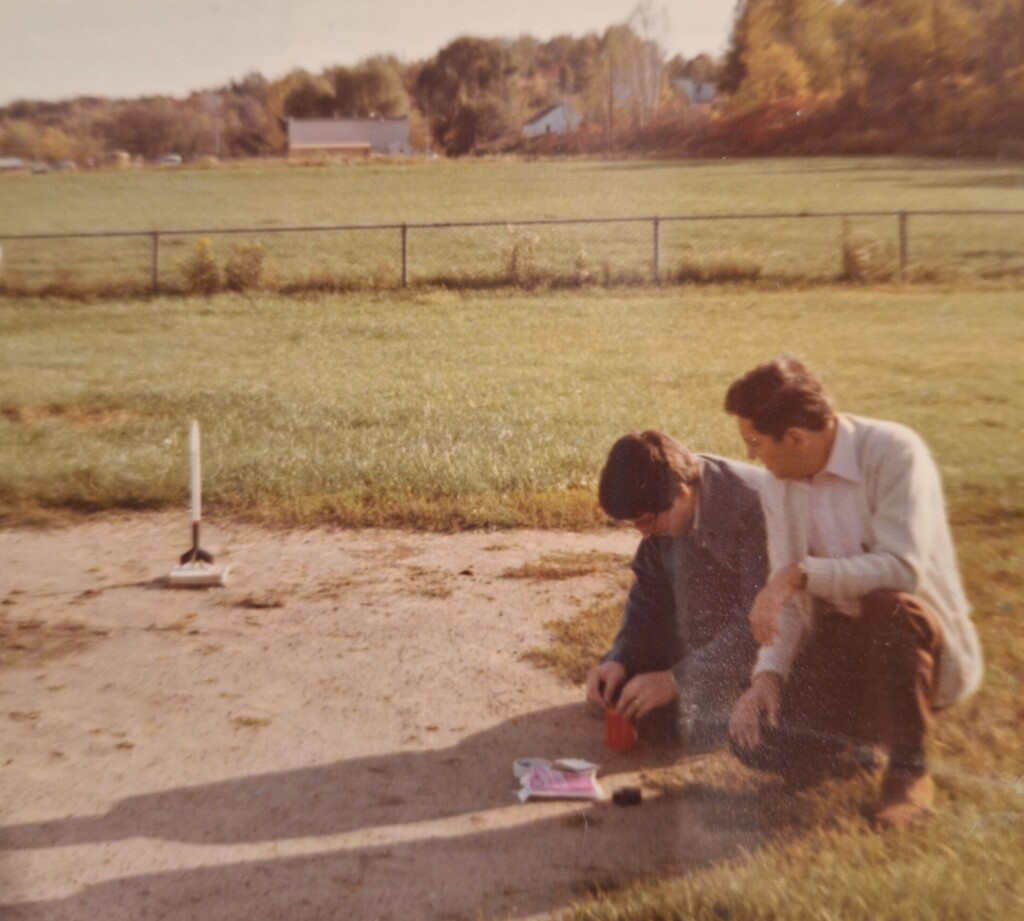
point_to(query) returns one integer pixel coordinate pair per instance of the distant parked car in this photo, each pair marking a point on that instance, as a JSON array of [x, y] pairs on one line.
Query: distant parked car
[[40, 166], [66, 166], [170, 159]]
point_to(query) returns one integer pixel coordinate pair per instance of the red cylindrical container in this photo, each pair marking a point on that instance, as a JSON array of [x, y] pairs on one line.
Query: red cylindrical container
[[619, 734]]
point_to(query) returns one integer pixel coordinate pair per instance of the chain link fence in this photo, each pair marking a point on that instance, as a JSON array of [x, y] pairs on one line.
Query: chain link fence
[[781, 248]]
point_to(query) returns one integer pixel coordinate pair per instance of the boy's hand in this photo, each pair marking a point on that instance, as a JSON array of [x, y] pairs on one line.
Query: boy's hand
[[647, 692], [603, 683]]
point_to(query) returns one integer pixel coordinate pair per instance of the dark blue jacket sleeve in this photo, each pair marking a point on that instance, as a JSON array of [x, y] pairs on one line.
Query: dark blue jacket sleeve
[[645, 641], [727, 658]]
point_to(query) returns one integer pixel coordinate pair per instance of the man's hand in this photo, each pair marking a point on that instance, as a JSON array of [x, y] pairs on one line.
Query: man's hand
[[763, 696], [764, 615], [647, 692], [603, 683]]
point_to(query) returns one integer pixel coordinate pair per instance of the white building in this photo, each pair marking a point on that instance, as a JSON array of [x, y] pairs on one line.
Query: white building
[[697, 92], [311, 137], [559, 119]]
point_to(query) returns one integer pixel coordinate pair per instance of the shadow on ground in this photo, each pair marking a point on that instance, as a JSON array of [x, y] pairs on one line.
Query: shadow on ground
[[478, 865]]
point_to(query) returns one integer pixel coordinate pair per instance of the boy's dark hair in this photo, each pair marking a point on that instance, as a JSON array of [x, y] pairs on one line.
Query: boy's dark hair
[[643, 473], [779, 396]]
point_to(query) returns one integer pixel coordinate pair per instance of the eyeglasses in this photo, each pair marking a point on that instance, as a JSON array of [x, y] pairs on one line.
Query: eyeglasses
[[647, 523]]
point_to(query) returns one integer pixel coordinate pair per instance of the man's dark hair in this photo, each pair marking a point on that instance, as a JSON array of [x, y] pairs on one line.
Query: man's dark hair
[[643, 474], [778, 396]]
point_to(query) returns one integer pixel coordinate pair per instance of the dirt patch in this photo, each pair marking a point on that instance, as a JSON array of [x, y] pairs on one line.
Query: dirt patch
[[84, 416], [331, 735], [32, 642]]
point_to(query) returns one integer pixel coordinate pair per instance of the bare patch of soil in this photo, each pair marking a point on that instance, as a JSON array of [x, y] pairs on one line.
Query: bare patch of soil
[[331, 735]]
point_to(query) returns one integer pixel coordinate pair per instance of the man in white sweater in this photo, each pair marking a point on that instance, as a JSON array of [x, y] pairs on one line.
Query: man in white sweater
[[863, 626]]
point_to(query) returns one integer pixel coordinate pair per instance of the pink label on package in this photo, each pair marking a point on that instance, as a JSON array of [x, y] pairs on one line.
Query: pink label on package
[[548, 783]]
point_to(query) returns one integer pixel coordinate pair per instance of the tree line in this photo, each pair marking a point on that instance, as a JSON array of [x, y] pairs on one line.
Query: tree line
[[943, 76]]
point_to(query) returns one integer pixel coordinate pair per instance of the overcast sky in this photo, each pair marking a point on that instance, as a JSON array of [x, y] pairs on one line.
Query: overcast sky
[[57, 49]]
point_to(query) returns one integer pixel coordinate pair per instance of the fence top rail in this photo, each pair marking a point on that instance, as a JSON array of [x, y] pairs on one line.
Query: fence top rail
[[534, 222]]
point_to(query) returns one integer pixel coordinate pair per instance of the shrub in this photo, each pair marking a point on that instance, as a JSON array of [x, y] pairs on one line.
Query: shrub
[[863, 258], [243, 270], [520, 256], [581, 268], [199, 272]]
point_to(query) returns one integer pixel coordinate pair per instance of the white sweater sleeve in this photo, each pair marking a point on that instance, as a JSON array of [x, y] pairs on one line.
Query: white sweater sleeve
[[779, 657], [904, 498]]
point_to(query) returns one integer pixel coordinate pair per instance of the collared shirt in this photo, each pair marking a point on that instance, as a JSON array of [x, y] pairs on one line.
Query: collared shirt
[[835, 527], [687, 610], [907, 548]]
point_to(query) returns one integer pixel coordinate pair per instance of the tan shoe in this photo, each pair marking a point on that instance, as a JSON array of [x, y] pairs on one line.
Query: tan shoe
[[906, 798]]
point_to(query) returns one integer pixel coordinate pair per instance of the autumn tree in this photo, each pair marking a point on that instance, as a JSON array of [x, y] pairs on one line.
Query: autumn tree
[[634, 61], [151, 127], [464, 93], [309, 96], [250, 125], [782, 48], [374, 88]]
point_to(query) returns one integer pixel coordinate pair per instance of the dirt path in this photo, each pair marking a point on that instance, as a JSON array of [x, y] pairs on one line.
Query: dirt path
[[329, 736]]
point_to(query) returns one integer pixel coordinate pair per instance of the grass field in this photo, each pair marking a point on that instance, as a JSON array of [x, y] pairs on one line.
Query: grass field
[[445, 409], [424, 192]]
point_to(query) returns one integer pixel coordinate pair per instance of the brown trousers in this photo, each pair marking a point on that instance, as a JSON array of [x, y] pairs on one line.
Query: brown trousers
[[867, 679]]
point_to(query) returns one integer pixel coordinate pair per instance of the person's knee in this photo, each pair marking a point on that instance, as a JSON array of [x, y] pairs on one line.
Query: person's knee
[[881, 603], [895, 616]]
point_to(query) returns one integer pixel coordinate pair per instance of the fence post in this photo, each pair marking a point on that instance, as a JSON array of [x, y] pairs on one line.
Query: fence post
[[657, 275], [405, 256], [903, 245], [154, 269]]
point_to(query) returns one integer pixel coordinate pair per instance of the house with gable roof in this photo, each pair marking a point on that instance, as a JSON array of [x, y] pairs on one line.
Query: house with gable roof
[[557, 119]]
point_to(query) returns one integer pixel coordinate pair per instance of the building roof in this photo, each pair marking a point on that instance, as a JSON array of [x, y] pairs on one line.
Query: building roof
[[345, 132], [542, 115]]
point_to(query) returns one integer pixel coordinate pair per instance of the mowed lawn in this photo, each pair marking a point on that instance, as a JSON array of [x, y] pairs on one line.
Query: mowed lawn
[[451, 409]]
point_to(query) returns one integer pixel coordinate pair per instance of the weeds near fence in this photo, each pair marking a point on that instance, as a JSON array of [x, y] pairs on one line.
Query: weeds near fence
[[243, 270], [717, 271], [199, 271], [864, 258], [520, 257]]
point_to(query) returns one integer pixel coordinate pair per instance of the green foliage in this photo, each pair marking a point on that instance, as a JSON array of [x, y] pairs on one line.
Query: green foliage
[[372, 89], [309, 97], [465, 93]]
